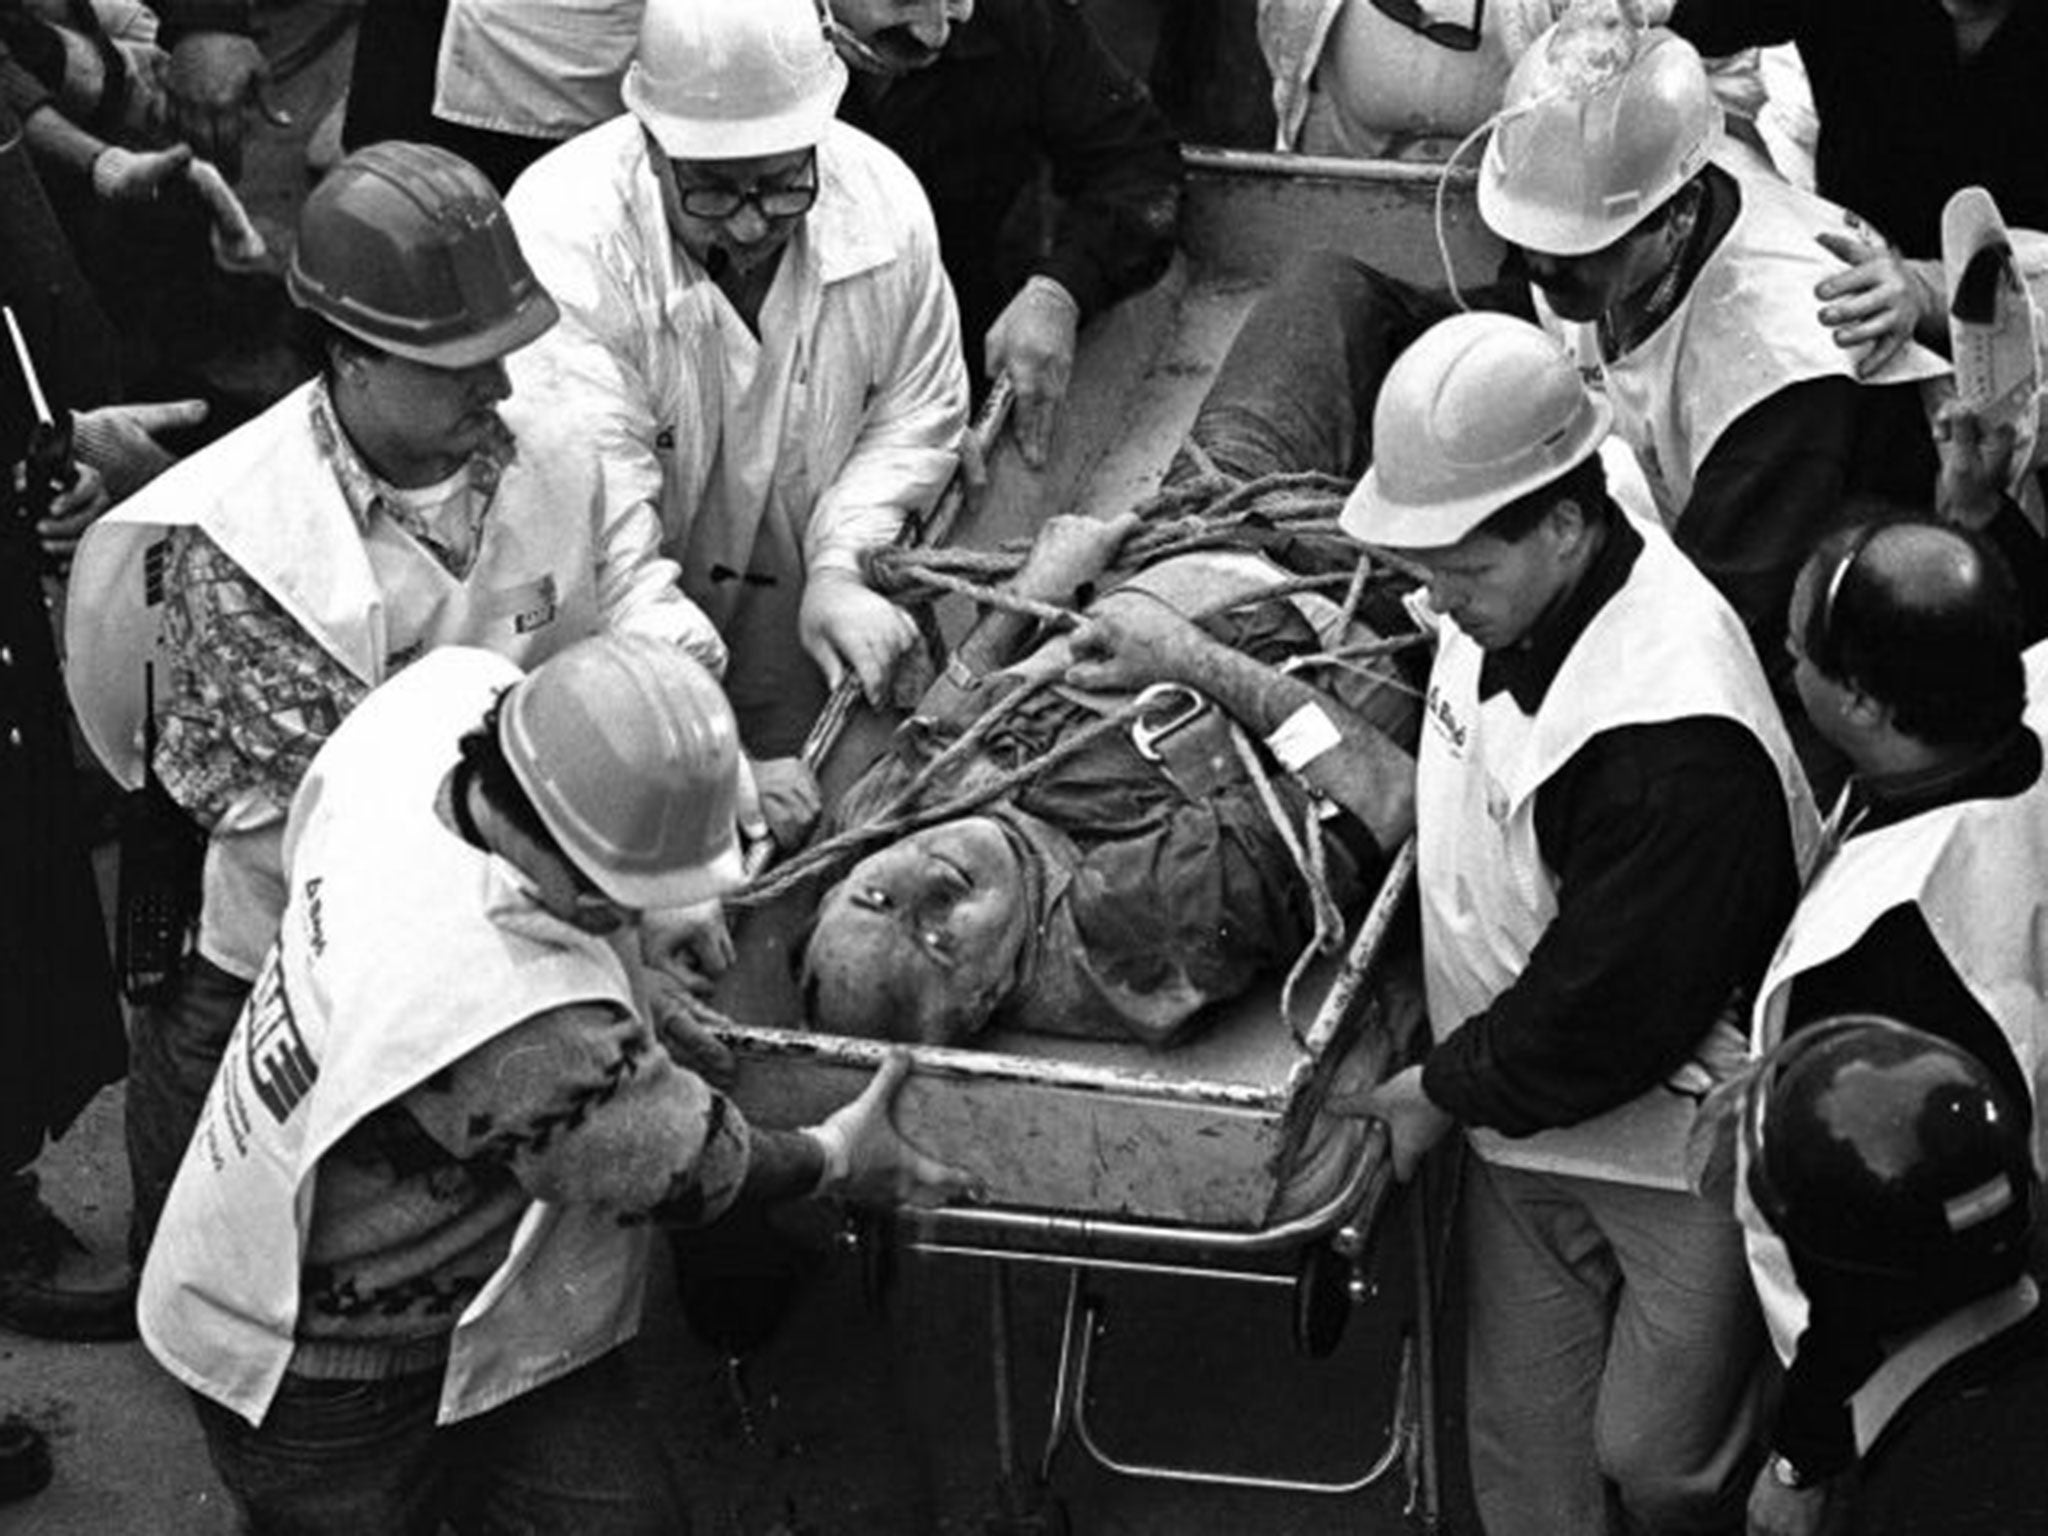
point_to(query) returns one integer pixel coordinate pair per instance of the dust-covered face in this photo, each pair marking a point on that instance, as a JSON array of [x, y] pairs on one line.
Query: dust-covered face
[[921, 941]]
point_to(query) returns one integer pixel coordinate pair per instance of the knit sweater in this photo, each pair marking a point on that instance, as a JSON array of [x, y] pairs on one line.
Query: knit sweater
[[415, 1208]]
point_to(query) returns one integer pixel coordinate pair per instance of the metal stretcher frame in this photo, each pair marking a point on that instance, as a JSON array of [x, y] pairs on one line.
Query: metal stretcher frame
[[1276, 1255], [1245, 215]]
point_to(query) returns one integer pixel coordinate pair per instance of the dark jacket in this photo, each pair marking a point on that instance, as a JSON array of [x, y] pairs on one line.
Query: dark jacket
[[1027, 82]]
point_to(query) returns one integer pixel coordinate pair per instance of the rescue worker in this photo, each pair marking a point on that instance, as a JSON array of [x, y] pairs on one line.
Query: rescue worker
[[757, 337], [415, 1214], [977, 96], [1609, 825], [1894, 1167], [395, 503], [1906, 639], [1916, 100], [1129, 886], [1377, 78], [1682, 275]]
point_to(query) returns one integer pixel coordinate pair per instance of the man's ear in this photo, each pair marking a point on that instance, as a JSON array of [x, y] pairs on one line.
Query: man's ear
[[1863, 709], [1567, 524]]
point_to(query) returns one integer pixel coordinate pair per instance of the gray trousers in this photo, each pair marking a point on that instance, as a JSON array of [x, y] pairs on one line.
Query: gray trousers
[[1614, 1357]]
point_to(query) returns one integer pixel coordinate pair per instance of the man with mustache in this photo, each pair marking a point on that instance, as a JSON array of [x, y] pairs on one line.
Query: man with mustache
[[399, 502], [758, 338]]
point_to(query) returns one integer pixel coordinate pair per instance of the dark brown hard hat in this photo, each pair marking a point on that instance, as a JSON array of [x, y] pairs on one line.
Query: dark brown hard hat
[[408, 247]]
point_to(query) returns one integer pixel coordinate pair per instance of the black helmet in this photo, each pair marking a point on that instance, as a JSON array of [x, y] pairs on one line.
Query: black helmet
[[1887, 1157]]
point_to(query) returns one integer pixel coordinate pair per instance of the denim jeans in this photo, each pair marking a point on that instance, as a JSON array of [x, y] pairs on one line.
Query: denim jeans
[[173, 1052], [365, 1458]]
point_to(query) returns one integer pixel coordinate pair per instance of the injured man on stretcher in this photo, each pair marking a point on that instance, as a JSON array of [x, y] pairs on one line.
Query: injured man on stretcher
[[1162, 805]]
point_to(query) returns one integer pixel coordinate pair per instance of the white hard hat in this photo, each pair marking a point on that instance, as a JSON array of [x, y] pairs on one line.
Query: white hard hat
[[733, 79], [1575, 165], [630, 754], [1481, 410]]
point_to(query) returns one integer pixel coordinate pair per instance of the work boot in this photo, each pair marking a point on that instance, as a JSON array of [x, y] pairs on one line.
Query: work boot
[[51, 1284]]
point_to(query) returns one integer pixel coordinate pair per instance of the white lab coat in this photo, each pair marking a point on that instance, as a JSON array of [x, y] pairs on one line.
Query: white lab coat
[[871, 409]]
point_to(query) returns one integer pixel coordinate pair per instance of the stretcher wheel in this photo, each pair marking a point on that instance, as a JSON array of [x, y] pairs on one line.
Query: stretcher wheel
[[1322, 1300]]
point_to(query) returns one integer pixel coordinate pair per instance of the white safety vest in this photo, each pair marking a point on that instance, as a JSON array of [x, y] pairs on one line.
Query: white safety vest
[[1663, 648], [403, 949], [1978, 872], [1747, 328], [553, 567], [542, 69]]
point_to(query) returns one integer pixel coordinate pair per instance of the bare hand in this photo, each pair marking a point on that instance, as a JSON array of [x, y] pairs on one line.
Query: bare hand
[[882, 1168], [1132, 644], [1071, 549], [1976, 465], [684, 1024], [214, 82], [789, 799], [846, 626], [72, 511], [1033, 342], [1879, 303], [1775, 1510], [689, 946], [1414, 1123]]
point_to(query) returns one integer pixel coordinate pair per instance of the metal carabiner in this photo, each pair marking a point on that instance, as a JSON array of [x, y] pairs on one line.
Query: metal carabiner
[[1146, 734]]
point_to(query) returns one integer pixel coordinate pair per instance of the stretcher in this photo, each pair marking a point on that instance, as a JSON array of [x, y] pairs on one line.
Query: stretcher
[[1211, 1162]]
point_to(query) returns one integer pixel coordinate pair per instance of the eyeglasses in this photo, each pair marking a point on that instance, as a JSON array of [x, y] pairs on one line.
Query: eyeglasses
[[783, 202], [1824, 632], [1461, 36]]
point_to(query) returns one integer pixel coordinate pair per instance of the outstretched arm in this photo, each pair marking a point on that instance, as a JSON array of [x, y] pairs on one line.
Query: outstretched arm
[[1332, 748]]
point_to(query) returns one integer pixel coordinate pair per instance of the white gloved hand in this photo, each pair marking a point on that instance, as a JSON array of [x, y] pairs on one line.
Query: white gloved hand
[[1033, 342], [847, 626], [120, 440]]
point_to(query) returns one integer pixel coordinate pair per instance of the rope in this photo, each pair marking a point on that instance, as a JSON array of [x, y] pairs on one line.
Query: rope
[[894, 822], [1207, 511]]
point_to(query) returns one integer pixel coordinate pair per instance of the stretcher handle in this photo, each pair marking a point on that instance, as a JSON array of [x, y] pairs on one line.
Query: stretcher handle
[[1360, 1198], [929, 529]]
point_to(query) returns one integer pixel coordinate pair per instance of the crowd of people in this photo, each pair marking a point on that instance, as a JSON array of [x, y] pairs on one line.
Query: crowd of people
[[459, 680]]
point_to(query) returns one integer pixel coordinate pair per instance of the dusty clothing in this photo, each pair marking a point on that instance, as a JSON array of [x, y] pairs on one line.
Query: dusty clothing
[[1153, 896], [1025, 83], [444, 1111], [1904, 120], [770, 455]]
